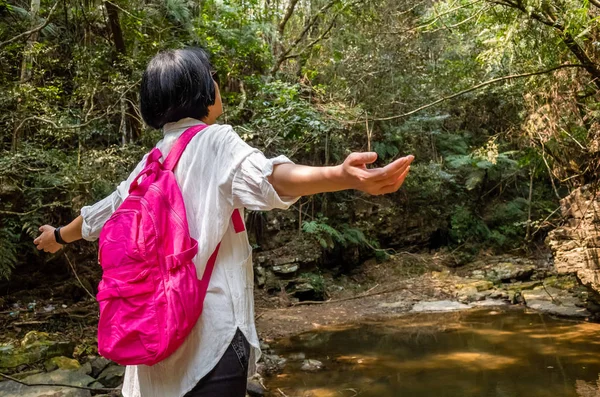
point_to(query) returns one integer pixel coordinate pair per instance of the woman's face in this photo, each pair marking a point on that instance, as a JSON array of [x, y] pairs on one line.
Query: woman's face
[[214, 111]]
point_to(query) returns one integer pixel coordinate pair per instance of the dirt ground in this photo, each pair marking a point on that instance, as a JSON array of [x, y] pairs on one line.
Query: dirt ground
[[373, 290], [377, 290]]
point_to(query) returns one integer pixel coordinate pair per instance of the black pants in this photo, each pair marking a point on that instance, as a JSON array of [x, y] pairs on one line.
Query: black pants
[[229, 377]]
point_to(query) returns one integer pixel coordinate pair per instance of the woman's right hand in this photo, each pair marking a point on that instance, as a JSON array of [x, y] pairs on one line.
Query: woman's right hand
[[46, 240]]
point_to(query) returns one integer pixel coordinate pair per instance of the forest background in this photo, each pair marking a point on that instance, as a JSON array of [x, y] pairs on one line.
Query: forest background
[[497, 100]]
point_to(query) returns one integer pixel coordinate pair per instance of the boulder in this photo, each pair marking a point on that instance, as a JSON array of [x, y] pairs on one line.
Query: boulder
[[439, 306], [74, 378], [311, 365], [255, 389], [112, 376], [272, 363], [554, 301], [576, 245], [98, 364], [287, 268], [35, 347], [61, 362]]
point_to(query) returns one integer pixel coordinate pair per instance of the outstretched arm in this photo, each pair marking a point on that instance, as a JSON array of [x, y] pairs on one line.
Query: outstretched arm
[[298, 180], [47, 242]]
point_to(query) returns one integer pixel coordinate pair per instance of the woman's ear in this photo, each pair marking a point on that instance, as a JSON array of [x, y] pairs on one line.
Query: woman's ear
[[215, 110]]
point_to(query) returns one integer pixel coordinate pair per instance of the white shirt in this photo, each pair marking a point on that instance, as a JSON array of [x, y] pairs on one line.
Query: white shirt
[[217, 173]]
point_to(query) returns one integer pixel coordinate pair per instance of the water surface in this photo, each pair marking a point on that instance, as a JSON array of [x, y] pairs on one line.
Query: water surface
[[484, 353]]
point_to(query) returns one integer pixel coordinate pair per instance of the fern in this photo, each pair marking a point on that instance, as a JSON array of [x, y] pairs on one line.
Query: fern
[[8, 252], [328, 237]]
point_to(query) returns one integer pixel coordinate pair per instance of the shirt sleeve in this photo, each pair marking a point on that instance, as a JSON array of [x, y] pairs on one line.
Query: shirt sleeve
[[96, 215], [251, 187]]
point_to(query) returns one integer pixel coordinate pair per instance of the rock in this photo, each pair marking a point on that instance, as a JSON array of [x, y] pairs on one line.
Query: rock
[[488, 303], [466, 294], [74, 378], [264, 346], [395, 305], [296, 357], [273, 363], [555, 301], [61, 362], [35, 347], [576, 245], [255, 389], [285, 269], [260, 276], [520, 286], [439, 306], [311, 365], [498, 294], [98, 364], [508, 271], [86, 368], [112, 376], [482, 285], [97, 385], [514, 297], [307, 292]]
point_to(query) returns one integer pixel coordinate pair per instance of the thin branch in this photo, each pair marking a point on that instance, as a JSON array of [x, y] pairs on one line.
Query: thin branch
[[450, 27], [123, 10], [315, 41], [474, 88], [309, 24], [77, 277], [101, 389], [33, 210], [288, 14], [32, 31], [432, 21]]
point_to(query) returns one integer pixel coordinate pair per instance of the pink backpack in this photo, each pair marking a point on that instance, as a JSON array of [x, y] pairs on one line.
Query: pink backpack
[[150, 296]]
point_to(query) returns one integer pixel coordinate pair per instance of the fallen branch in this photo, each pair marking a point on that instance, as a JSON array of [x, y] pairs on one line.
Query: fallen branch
[[32, 31], [474, 88], [102, 389], [387, 291]]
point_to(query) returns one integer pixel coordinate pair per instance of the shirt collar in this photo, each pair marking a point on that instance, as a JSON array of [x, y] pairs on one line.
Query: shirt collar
[[180, 126]]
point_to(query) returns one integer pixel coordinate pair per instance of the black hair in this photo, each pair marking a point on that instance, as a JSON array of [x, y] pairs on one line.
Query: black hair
[[177, 84]]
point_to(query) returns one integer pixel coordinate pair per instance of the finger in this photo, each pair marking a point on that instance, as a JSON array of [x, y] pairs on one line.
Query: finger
[[40, 247], [396, 185], [357, 159], [37, 240], [392, 171]]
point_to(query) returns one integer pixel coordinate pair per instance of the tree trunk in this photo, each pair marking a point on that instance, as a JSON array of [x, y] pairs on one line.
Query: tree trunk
[[27, 65], [130, 127]]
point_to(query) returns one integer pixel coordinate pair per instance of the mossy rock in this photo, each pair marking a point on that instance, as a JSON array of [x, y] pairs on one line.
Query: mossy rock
[[35, 347], [61, 362]]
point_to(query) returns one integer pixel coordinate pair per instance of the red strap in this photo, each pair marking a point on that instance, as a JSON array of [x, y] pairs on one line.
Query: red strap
[[209, 267], [238, 222], [182, 142]]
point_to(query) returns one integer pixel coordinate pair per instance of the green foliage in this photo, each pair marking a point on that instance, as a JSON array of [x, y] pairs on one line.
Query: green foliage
[[305, 90], [328, 237]]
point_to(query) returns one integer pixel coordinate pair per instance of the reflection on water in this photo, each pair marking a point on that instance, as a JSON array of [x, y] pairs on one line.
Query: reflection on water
[[487, 353]]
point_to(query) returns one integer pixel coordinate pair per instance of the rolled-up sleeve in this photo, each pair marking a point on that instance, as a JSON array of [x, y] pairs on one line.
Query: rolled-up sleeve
[[251, 187], [95, 216]]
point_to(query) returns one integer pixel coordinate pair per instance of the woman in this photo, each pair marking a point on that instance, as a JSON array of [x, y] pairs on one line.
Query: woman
[[217, 173]]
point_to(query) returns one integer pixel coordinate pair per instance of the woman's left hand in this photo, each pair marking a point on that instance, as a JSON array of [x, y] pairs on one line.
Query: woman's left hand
[[46, 240]]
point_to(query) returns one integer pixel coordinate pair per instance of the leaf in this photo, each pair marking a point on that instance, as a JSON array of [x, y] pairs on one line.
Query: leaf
[[474, 179]]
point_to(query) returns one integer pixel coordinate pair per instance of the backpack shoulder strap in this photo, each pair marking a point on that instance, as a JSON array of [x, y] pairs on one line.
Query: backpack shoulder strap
[[180, 145]]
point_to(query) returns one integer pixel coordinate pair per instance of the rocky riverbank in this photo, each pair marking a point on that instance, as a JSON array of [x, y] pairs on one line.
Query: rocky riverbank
[[60, 349]]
